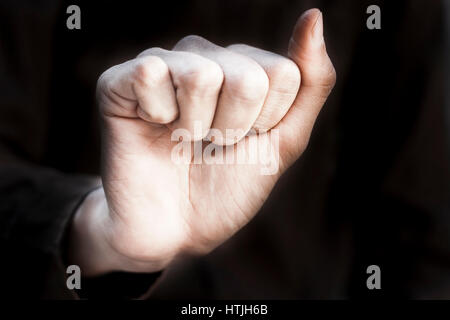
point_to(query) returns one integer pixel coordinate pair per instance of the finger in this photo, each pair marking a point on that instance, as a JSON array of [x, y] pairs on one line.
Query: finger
[[284, 82], [243, 91], [197, 82], [307, 50], [139, 88]]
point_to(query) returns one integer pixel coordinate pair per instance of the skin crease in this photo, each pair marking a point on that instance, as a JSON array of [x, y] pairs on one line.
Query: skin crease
[[151, 210]]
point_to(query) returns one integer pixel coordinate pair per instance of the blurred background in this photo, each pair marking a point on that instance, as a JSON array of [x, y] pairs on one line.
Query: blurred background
[[373, 186]]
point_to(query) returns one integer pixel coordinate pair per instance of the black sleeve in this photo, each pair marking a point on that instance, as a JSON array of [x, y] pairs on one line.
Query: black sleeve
[[36, 202], [35, 212]]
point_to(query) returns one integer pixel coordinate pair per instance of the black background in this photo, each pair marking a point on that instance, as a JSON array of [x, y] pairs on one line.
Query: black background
[[373, 187]]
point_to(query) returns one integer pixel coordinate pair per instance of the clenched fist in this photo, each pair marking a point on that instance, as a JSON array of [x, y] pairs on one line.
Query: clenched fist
[[151, 208]]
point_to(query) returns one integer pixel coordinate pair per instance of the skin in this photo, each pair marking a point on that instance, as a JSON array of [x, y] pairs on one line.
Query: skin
[[151, 210]]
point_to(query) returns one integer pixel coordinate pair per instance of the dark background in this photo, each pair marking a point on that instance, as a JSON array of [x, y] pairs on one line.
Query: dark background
[[372, 188]]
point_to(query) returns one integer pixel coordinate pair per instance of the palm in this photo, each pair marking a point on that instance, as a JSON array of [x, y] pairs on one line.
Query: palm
[[203, 202]]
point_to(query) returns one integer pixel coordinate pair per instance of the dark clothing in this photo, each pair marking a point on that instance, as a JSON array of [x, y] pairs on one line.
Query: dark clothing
[[372, 188]]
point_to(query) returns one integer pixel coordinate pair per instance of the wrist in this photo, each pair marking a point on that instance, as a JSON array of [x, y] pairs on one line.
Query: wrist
[[88, 246], [93, 241]]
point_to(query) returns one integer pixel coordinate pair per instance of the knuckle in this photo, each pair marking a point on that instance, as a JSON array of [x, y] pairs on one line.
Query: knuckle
[[150, 71], [206, 78], [323, 77], [103, 82], [328, 79], [188, 41], [332, 76], [104, 87], [157, 116], [285, 75], [151, 51], [250, 85], [163, 118], [238, 46]]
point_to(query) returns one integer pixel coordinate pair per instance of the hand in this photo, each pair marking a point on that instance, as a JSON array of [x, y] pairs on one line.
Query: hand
[[151, 208]]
